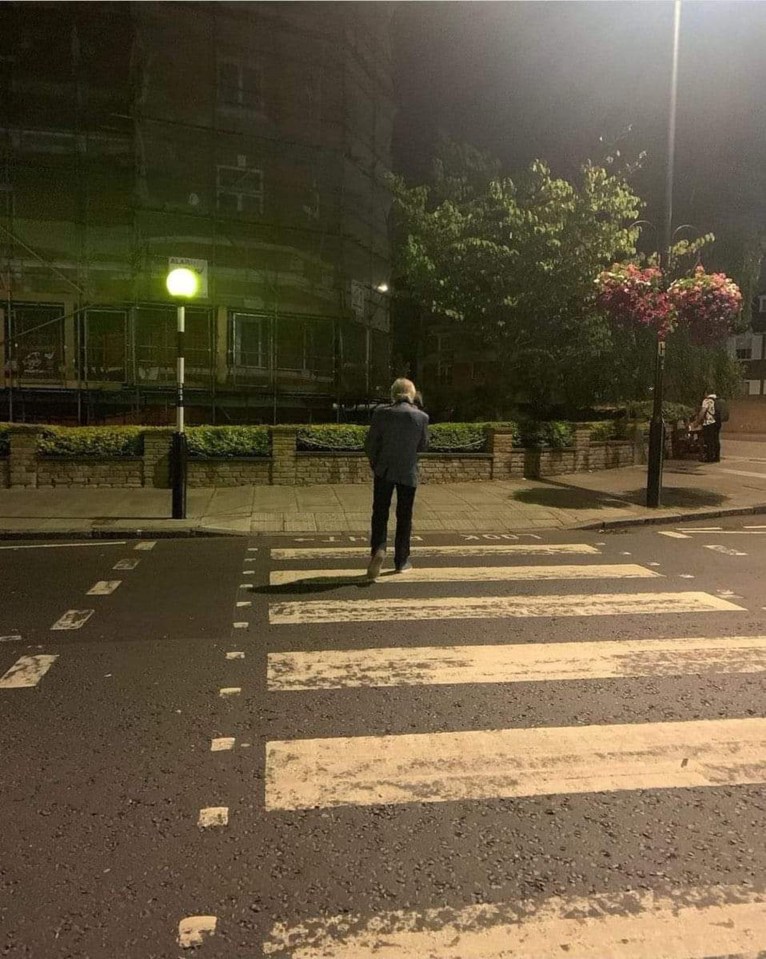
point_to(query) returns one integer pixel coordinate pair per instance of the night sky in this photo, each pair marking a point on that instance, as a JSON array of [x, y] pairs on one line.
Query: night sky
[[547, 79]]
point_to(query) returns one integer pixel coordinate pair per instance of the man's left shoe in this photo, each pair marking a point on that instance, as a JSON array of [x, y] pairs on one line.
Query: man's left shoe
[[404, 568], [376, 564]]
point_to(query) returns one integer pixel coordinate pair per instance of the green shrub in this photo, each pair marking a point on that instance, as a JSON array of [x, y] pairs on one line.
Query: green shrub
[[457, 437], [5, 439], [332, 436], [101, 441], [554, 435], [670, 411], [229, 441]]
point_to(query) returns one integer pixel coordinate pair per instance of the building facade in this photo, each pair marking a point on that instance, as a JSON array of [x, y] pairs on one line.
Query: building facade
[[252, 139]]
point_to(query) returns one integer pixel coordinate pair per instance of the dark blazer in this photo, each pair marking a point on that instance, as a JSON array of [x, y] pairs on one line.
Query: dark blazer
[[397, 434]]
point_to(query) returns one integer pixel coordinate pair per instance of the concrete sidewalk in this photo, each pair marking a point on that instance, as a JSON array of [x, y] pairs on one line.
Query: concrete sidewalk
[[609, 497]]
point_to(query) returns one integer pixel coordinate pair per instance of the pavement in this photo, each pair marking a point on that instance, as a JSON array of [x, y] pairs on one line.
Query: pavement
[[601, 499], [538, 744]]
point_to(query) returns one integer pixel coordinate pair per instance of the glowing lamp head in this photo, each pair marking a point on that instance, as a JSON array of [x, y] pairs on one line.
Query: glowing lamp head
[[182, 282]]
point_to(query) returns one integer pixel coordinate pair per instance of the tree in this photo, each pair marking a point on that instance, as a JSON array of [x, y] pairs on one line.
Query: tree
[[510, 264]]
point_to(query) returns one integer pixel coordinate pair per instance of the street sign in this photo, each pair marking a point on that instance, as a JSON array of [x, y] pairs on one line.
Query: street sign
[[199, 267]]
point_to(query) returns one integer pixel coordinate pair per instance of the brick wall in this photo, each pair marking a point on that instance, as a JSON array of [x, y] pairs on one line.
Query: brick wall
[[123, 473], [229, 472], [5, 472]]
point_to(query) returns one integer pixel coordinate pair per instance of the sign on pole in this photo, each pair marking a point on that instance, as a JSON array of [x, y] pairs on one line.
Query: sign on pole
[[199, 267]]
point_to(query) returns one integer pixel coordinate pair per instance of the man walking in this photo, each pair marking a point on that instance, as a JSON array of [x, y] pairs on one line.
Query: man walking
[[397, 434], [710, 418]]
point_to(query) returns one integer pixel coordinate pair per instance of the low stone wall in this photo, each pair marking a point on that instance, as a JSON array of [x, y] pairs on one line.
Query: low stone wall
[[229, 471], [118, 473], [289, 467]]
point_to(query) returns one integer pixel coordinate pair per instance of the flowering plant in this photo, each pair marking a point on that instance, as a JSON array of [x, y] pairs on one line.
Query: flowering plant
[[705, 304]]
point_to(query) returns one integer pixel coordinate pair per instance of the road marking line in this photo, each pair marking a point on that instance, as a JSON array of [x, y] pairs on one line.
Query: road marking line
[[494, 607], [686, 576], [672, 535], [241, 625], [726, 550], [126, 564], [508, 763], [222, 744], [193, 930], [466, 574], [704, 529], [244, 602], [146, 544], [252, 549], [653, 564], [521, 549], [27, 671], [744, 473], [12, 638], [235, 655], [73, 619], [213, 816], [245, 585], [104, 542], [687, 923], [514, 663], [229, 691], [104, 587], [755, 527]]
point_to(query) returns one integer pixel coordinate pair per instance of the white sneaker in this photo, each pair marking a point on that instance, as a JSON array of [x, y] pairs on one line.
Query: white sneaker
[[376, 564]]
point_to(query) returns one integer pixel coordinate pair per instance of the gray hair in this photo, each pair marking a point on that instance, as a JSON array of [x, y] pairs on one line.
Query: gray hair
[[403, 389]]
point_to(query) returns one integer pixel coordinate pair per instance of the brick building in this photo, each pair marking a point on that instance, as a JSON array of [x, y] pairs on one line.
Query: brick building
[[252, 137]]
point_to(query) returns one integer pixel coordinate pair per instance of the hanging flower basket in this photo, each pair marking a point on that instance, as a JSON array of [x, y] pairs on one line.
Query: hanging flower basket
[[707, 305], [635, 297]]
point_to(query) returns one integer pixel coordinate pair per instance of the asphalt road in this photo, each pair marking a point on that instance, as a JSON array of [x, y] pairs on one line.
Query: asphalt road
[[545, 760]]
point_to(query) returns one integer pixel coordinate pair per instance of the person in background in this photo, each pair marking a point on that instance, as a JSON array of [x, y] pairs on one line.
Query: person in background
[[397, 434], [711, 428]]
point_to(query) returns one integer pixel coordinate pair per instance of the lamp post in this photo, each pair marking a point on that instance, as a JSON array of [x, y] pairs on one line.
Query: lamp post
[[182, 284], [657, 426]]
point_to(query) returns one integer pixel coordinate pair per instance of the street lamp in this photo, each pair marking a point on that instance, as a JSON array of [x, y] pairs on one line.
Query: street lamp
[[182, 284], [657, 427]]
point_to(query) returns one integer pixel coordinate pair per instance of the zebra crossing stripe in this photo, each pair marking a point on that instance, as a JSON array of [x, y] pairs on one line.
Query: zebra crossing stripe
[[508, 763], [468, 574], [467, 549], [689, 923], [27, 671], [516, 663], [494, 607]]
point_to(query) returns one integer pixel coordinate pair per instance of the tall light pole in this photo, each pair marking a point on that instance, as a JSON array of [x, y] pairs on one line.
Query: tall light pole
[[182, 284], [657, 427]]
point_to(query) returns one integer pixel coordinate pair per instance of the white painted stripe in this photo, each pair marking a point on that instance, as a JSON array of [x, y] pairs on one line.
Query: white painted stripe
[[726, 550], [73, 619], [506, 763], [101, 542], [686, 923], [127, 564], [743, 473], [244, 602], [12, 638], [245, 585], [230, 691], [704, 529], [517, 663], [466, 574], [241, 625], [494, 607], [468, 549], [755, 527], [235, 655], [672, 535], [145, 544], [104, 587], [213, 816], [27, 671], [252, 549], [222, 744], [193, 930]]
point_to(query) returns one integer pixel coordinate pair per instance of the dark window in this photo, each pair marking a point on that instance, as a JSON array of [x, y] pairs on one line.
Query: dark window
[[104, 345], [37, 341], [250, 336], [156, 345]]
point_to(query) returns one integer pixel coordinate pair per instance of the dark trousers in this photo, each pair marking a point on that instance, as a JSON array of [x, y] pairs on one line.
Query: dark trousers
[[383, 490], [711, 437]]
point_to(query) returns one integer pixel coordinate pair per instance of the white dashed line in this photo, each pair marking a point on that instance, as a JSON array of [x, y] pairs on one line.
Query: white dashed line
[[726, 550], [193, 930], [245, 585], [686, 576], [213, 816], [244, 602], [222, 744], [27, 671], [13, 638], [126, 564], [673, 535], [146, 544], [235, 655], [73, 619], [106, 542], [229, 691], [241, 625], [104, 587], [653, 564]]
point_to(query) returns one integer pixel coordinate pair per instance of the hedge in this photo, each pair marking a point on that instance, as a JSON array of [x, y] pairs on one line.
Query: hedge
[[555, 435], [101, 441], [444, 437], [331, 436], [229, 441]]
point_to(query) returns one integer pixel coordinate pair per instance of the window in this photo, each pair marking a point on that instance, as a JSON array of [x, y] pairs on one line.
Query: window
[[250, 340], [743, 347], [240, 85], [753, 387], [38, 341], [239, 189], [156, 348], [104, 345]]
